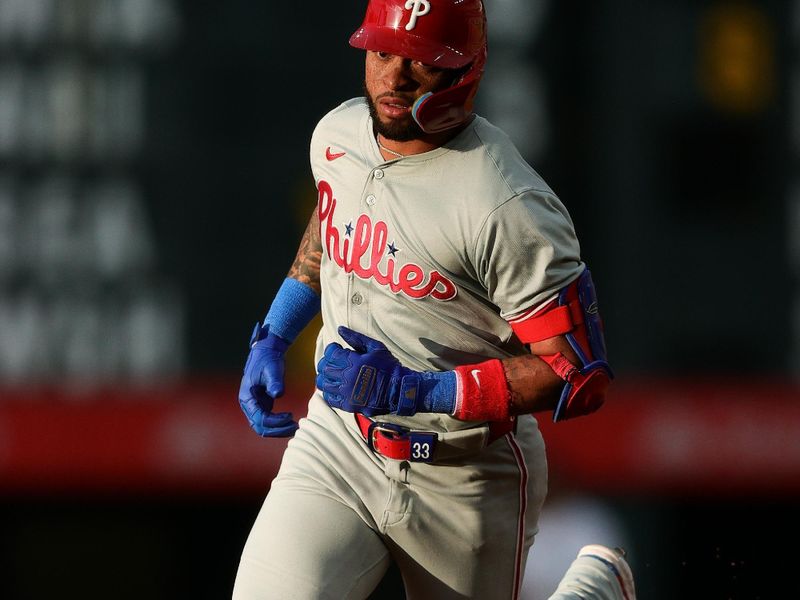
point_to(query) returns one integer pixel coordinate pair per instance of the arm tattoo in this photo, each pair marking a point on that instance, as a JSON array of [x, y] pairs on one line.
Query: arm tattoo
[[306, 265]]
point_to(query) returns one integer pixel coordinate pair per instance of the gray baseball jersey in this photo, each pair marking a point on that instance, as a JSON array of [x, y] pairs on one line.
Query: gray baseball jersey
[[433, 253], [430, 254]]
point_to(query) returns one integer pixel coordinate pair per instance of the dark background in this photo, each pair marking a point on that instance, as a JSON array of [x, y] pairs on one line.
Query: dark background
[[670, 129]]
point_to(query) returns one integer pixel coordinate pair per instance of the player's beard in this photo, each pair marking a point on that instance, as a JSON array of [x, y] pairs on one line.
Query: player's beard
[[399, 131]]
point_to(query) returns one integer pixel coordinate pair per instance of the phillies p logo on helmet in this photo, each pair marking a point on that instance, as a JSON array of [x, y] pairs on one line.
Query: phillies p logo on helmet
[[418, 9]]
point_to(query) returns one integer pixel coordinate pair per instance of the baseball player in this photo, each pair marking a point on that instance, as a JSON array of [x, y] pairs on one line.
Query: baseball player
[[454, 304]]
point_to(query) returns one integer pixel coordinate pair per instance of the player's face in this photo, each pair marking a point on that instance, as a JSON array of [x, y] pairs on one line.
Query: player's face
[[392, 85]]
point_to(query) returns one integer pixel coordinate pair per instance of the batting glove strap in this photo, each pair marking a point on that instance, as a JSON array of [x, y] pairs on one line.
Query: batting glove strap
[[408, 396], [426, 391], [482, 392]]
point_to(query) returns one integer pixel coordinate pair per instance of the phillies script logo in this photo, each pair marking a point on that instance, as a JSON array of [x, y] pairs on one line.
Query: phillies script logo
[[368, 242]]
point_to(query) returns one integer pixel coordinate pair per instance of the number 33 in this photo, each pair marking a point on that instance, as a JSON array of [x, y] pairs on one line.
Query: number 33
[[420, 450]]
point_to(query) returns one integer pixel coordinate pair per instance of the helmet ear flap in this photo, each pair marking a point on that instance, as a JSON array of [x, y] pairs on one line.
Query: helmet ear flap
[[446, 109], [439, 111]]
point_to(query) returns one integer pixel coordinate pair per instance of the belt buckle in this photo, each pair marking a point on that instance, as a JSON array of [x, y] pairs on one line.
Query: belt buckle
[[383, 427]]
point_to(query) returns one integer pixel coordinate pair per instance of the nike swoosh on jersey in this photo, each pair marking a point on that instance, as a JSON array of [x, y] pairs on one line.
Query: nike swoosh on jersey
[[333, 155], [474, 374]]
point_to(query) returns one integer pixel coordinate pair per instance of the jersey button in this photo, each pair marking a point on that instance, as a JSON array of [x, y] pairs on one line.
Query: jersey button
[[378, 173], [370, 200], [357, 298]]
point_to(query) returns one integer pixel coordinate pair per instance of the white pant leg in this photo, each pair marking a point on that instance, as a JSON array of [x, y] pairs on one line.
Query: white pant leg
[[463, 529], [309, 546], [460, 529], [314, 537]]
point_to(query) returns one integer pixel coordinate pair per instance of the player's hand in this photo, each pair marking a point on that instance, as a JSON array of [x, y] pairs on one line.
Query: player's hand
[[359, 380], [263, 382], [367, 379]]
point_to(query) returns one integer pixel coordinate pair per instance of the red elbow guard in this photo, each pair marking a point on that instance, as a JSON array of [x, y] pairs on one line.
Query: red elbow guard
[[585, 389], [574, 314], [482, 392]]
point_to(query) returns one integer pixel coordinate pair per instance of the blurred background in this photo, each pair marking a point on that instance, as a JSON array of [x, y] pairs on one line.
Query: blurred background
[[154, 184]]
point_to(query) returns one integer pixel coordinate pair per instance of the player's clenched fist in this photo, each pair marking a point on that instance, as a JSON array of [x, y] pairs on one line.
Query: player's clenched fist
[[371, 381], [263, 382]]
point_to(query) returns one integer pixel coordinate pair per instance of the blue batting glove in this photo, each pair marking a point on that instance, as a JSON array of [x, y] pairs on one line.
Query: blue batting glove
[[263, 382], [371, 381]]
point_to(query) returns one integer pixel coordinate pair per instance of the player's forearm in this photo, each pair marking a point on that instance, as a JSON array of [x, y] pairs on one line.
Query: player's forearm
[[306, 265], [533, 386], [298, 299]]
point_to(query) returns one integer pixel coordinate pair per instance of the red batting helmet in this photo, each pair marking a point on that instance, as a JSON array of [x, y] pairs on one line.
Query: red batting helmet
[[444, 33]]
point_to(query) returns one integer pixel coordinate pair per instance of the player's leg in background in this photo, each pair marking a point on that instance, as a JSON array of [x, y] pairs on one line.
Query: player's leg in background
[[307, 546], [598, 573], [569, 521]]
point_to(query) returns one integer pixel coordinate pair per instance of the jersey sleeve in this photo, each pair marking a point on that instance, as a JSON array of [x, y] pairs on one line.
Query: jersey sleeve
[[526, 251]]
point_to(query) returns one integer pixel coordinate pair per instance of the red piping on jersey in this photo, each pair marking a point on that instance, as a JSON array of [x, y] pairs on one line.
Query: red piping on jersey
[[523, 507]]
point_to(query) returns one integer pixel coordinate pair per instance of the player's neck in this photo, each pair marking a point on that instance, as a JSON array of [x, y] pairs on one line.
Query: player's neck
[[392, 149]]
